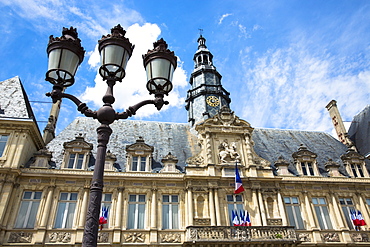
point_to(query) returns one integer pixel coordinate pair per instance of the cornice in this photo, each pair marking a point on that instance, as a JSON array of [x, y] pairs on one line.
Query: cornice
[[326, 179]]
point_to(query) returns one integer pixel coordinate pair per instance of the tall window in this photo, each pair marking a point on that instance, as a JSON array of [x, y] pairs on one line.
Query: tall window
[[347, 206], [75, 161], [106, 202], [170, 212], [322, 213], [27, 212], [357, 170], [307, 168], [66, 210], [294, 212], [136, 212], [3, 140], [234, 202], [138, 163]]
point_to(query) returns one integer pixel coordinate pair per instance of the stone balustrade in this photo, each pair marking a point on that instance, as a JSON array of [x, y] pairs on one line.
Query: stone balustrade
[[241, 233]]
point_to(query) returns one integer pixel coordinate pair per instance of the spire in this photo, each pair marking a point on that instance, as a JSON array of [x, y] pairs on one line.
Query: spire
[[201, 43], [206, 96]]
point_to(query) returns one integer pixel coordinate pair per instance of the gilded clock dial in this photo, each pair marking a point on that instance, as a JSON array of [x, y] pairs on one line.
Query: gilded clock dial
[[212, 100]]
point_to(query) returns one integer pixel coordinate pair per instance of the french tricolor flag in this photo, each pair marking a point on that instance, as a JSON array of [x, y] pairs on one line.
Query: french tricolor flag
[[238, 182]]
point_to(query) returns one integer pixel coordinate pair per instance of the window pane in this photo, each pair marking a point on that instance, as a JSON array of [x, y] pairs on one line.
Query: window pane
[[166, 216], [32, 215], [132, 198], [80, 161], [141, 210], [368, 201], [322, 201], [70, 214], [38, 195], [141, 198], [287, 200], [327, 217], [142, 164], [60, 214], [320, 218], [27, 195], [131, 216], [229, 198], [314, 201], [64, 196], [299, 217], [21, 218], [166, 198], [238, 198], [175, 217], [134, 163], [71, 161], [294, 200], [175, 198], [73, 197], [3, 140], [107, 197]]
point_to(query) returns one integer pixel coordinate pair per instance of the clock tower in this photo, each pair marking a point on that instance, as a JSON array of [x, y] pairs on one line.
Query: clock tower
[[206, 96]]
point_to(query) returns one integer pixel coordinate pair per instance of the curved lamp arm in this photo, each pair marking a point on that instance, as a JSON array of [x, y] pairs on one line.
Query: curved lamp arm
[[57, 94], [158, 102]]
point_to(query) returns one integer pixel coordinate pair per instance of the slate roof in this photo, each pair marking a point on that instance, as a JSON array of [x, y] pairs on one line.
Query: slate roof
[[270, 144], [359, 131], [177, 138], [164, 137], [14, 101]]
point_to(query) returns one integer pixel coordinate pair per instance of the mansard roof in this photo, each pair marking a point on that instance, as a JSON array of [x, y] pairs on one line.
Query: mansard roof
[[179, 139], [164, 137], [14, 102]]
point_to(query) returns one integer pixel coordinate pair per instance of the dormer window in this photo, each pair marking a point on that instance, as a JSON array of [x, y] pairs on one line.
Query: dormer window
[[355, 164], [139, 156], [77, 154], [138, 163], [305, 162], [75, 161]]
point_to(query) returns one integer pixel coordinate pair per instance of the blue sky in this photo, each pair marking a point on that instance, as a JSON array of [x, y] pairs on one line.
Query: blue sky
[[282, 61]]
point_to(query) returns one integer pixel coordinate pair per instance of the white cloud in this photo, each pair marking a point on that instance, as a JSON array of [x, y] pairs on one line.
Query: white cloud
[[223, 17], [290, 87], [132, 90]]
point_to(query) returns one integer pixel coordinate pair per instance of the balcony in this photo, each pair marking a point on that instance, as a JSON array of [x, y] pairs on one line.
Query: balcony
[[273, 235]]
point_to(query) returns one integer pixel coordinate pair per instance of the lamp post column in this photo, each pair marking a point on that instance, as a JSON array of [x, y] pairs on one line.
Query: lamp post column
[[96, 189]]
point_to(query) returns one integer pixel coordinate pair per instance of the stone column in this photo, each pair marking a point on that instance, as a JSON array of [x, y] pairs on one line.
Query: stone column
[[5, 196], [262, 208], [256, 220], [212, 207], [190, 208], [282, 209], [308, 210], [337, 211], [118, 216], [85, 200], [48, 204], [218, 211], [153, 218]]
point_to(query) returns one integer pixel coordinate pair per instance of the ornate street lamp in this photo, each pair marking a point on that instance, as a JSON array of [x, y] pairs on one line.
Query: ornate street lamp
[[66, 54]]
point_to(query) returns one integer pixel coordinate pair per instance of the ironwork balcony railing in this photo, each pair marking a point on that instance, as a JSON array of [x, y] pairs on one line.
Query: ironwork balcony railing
[[270, 234]]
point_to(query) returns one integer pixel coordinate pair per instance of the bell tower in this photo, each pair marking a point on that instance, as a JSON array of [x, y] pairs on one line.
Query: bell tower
[[206, 96]]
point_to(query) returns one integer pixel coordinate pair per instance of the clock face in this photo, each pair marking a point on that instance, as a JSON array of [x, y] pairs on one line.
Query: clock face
[[212, 100]]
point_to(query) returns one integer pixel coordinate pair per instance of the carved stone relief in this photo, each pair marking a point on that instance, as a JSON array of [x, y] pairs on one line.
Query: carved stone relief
[[59, 237], [228, 152], [20, 237], [304, 237], [135, 237], [330, 237], [360, 237], [170, 237], [103, 237]]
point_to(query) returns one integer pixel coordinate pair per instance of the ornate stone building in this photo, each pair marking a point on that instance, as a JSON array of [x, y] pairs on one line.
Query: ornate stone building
[[172, 184]]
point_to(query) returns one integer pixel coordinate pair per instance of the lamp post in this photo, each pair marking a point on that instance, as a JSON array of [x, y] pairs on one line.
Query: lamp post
[[66, 54]]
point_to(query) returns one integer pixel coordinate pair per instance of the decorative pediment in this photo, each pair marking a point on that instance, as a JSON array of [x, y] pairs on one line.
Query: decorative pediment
[[225, 117], [351, 156], [304, 154], [139, 145], [78, 143]]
